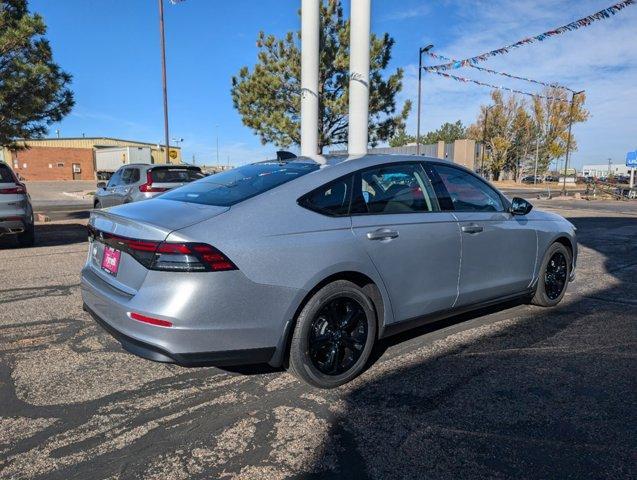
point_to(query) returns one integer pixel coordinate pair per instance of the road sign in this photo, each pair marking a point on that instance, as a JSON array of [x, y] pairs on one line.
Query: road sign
[[631, 159]]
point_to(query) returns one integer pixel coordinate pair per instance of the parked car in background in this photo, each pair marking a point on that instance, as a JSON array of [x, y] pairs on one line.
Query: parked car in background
[[551, 178], [532, 179], [16, 212], [134, 182], [291, 263]]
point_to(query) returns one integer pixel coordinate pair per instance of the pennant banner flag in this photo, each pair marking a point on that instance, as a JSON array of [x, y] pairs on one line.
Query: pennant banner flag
[[497, 87], [488, 70], [582, 22]]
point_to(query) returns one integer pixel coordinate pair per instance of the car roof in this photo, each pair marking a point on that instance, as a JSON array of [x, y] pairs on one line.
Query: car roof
[[159, 165]]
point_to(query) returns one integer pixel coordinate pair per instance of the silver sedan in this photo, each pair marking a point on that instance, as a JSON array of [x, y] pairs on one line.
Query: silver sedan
[[305, 265]]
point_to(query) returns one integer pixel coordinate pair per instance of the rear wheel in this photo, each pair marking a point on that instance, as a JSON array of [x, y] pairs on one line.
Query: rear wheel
[[554, 274], [334, 335], [27, 238]]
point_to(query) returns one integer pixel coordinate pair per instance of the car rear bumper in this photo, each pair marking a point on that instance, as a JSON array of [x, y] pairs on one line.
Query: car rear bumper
[[231, 322], [13, 225], [157, 354]]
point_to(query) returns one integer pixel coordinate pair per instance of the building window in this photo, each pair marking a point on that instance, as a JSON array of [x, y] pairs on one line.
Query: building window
[[60, 164]]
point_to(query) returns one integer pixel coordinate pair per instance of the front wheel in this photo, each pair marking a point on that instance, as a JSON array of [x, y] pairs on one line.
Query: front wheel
[[554, 274], [334, 335]]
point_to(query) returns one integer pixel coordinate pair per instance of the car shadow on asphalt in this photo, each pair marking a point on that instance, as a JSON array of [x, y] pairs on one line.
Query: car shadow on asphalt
[[544, 393], [49, 235]]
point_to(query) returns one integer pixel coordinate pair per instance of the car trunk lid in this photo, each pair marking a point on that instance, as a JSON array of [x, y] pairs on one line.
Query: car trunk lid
[[116, 232]]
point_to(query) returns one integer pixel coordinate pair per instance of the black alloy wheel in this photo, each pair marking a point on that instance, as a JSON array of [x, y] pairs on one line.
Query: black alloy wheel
[[337, 336], [334, 334], [556, 275]]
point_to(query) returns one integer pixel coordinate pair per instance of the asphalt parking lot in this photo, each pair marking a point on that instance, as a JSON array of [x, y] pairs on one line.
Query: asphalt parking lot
[[519, 392]]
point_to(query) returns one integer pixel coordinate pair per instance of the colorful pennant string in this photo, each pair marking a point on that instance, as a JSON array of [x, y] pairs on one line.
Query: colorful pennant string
[[497, 87], [582, 22], [488, 70]]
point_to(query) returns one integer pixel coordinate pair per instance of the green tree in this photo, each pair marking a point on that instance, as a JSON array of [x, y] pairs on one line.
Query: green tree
[[498, 131], [33, 89], [268, 97], [448, 133], [551, 117], [514, 129], [401, 139]]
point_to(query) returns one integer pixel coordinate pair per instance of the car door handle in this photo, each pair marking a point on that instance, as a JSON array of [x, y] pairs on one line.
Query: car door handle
[[472, 229], [382, 234]]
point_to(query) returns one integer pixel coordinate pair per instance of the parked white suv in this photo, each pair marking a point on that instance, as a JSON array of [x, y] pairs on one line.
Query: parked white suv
[[16, 212]]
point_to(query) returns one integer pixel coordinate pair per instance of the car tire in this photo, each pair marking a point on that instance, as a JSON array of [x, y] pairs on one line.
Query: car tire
[[97, 205], [555, 272], [27, 238], [337, 325]]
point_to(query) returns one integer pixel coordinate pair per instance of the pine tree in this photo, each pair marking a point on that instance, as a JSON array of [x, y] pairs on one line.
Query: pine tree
[[268, 97], [33, 89]]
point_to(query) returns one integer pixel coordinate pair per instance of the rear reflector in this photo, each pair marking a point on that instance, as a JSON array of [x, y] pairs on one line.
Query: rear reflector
[[150, 320]]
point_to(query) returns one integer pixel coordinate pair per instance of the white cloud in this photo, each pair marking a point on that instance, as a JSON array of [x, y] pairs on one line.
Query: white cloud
[[601, 59]]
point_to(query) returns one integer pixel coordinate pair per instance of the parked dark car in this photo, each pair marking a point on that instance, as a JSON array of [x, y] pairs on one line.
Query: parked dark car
[[532, 179]]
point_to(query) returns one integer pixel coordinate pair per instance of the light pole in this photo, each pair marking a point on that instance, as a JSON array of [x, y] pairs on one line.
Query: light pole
[[163, 77], [568, 142], [420, 52], [217, 131], [484, 138]]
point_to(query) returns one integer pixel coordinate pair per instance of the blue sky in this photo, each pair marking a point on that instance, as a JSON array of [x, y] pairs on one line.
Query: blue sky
[[111, 47]]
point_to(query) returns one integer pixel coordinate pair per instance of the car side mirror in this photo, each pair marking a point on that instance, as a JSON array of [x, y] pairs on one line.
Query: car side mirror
[[101, 184], [519, 206]]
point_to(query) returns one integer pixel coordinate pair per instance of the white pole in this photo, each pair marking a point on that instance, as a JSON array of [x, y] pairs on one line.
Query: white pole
[[310, 26], [632, 177], [359, 77]]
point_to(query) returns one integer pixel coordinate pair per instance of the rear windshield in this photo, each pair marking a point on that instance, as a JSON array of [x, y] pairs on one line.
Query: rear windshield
[[234, 186], [6, 175], [175, 175]]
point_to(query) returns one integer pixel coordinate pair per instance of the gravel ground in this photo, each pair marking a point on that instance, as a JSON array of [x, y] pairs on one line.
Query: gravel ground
[[519, 392]]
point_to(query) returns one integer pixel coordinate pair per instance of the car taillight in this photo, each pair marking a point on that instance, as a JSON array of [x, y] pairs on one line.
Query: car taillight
[[148, 186], [20, 188], [190, 257], [168, 256]]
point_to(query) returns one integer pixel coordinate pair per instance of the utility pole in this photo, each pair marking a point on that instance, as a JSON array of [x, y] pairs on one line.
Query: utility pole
[[420, 52], [568, 142], [537, 148], [163, 77], [484, 138], [217, 131]]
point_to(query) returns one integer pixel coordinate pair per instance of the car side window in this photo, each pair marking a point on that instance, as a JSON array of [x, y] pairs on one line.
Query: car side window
[[115, 179], [126, 176], [330, 199], [466, 192], [391, 189], [134, 176]]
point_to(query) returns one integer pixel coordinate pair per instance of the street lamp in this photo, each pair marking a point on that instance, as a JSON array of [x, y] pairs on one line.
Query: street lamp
[[420, 52], [163, 77], [484, 138], [568, 142], [217, 131]]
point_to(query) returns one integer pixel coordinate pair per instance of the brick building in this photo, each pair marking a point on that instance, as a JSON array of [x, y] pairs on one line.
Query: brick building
[[71, 158]]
